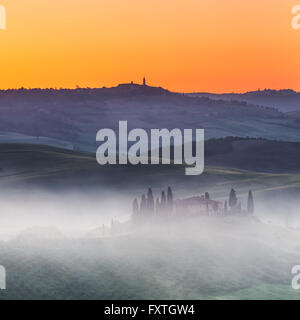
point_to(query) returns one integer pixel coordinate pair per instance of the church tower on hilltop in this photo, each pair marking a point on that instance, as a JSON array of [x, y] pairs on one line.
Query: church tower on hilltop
[[144, 81]]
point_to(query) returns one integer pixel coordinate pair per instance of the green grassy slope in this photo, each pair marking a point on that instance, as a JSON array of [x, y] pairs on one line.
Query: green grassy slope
[[229, 258], [214, 261], [56, 169]]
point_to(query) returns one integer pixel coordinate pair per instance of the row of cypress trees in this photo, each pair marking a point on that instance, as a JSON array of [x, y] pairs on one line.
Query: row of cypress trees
[[235, 206], [149, 207], [164, 205]]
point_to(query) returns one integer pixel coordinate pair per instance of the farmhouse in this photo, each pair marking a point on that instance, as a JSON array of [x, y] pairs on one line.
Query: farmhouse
[[198, 205], [166, 207]]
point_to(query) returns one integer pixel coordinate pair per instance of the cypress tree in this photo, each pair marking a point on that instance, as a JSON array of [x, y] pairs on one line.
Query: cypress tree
[[143, 206], [170, 199], [232, 199], [135, 209], [150, 201], [250, 203], [170, 195], [157, 206], [163, 201]]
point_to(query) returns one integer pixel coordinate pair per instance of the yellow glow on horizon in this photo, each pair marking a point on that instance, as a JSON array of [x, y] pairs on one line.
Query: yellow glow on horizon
[[183, 45]]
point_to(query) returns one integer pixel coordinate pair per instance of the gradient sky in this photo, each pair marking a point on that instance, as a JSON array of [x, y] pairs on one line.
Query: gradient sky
[[183, 45]]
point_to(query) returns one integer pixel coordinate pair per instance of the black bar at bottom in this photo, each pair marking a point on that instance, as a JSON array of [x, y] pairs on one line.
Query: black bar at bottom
[[156, 309]]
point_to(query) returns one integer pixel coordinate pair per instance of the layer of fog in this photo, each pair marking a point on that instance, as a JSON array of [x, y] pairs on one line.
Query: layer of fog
[[56, 248], [77, 213], [199, 258], [73, 213]]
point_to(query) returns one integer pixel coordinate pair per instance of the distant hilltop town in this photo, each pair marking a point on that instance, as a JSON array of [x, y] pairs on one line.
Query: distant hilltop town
[[132, 83], [166, 206]]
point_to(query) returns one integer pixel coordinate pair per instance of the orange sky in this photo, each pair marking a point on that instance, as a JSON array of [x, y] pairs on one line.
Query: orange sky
[[183, 45]]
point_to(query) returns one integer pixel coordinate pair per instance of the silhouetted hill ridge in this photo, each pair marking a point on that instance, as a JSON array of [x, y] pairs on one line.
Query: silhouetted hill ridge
[[76, 115], [284, 100]]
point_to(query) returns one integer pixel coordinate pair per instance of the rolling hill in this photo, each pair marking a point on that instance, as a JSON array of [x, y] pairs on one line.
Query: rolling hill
[[203, 258], [75, 116], [284, 100], [267, 167]]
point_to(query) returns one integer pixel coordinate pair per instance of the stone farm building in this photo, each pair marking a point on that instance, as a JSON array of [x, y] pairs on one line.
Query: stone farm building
[[198, 205]]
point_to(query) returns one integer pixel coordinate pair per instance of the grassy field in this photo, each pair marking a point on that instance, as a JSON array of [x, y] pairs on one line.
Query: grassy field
[[25, 166], [224, 258], [233, 258]]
